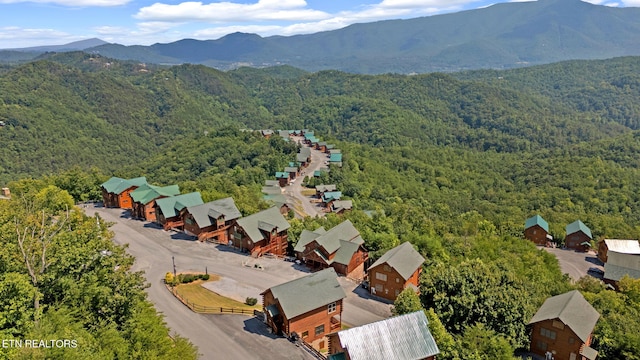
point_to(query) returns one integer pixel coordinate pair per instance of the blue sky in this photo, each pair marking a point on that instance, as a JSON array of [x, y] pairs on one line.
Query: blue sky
[[143, 22]]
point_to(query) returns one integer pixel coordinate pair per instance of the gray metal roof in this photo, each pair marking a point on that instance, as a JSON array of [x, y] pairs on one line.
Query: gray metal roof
[[302, 157], [338, 205], [305, 151], [323, 188], [308, 293], [308, 236], [206, 214], [623, 246], [617, 272], [588, 352], [252, 223], [403, 258], [345, 252], [291, 169], [272, 183], [404, 337], [573, 310]]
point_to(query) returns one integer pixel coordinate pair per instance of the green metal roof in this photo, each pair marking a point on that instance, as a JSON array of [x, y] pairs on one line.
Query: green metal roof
[[335, 157], [536, 220], [147, 193], [403, 258], [270, 218], [308, 236], [171, 206], [331, 195], [206, 214], [282, 175], [308, 293], [576, 226], [117, 185], [573, 310]]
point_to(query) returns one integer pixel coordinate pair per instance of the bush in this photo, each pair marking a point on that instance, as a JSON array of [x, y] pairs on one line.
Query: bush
[[186, 278], [169, 279], [251, 301]]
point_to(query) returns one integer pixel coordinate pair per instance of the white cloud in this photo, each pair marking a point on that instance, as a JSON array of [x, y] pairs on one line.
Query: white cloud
[[263, 10], [13, 37], [72, 3]]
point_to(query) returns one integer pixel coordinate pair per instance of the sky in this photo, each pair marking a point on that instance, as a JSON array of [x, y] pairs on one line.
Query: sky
[[26, 23]]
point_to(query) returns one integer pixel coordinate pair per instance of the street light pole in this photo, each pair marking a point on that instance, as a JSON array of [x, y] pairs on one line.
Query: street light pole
[[173, 259]]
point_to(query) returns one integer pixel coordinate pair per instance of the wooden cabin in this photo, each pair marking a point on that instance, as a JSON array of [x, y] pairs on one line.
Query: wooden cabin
[[329, 197], [340, 248], [631, 247], [307, 308], [619, 265], [396, 270], [168, 209], [144, 200], [341, 206], [116, 191], [578, 236], [283, 178], [321, 189], [563, 326], [211, 221], [401, 337], [536, 229], [261, 233]]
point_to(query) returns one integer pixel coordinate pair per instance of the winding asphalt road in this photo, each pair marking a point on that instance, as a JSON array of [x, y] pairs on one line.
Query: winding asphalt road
[[294, 191]]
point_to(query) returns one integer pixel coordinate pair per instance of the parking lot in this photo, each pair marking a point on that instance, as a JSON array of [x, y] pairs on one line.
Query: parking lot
[[576, 264], [157, 250]]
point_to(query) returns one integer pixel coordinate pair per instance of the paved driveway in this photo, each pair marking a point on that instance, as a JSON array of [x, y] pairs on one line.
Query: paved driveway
[[294, 191], [215, 335], [574, 263]]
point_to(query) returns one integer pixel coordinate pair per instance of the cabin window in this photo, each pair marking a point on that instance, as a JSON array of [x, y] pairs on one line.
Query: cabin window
[[398, 280], [332, 307], [397, 292], [534, 232], [305, 334], [541, 345], [572, 340], [377, 288], [320, 329], [381, 276], [548, 333], [188, 221]]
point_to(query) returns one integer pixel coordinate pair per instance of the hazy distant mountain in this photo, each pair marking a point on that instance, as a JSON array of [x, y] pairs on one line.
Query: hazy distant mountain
[[73, 46], [504, 35]]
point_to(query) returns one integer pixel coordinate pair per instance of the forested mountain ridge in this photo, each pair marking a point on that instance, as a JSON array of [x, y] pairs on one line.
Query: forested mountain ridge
[[504, 35], [452, 164]]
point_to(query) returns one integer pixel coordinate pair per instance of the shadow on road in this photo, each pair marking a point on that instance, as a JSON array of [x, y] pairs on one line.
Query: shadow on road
[[593, 260], [364, 294], [182, 236], [152, 225], [255, 326]]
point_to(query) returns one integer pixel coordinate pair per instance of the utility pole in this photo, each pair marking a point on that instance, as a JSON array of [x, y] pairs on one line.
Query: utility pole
[[173, 259]]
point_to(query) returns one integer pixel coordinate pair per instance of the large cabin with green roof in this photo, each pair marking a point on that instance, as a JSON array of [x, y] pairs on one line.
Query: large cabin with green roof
[[261, 233], [578, 236], [144, 200], [340, 248], [116, 191], [211, 221], [168, 209], [309, 307], [536, 229]]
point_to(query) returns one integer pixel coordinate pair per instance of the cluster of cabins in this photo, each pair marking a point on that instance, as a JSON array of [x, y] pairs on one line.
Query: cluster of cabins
[[217, 221], [332, 200], [578, 235], [310, 309], [620, 257]]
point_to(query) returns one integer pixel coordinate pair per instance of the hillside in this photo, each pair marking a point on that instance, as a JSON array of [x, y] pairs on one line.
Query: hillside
[[505, 35]]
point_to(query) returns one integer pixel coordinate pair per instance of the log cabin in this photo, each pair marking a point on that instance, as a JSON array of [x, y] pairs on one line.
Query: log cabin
[[616, 245], [168, 209], [261, 233], [536, 229], [563, 326], [116, 191], [396, 270], [340, 248], [211, 221], [307, 308], [578, 236], [401, 337], [144, 200]]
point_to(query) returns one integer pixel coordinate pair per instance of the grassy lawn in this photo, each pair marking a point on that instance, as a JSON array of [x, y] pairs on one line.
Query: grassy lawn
[[308, 192], [195, 293]]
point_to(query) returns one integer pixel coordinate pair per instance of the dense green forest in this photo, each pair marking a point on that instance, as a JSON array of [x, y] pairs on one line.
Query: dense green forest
[[61, 278], [452, 163]]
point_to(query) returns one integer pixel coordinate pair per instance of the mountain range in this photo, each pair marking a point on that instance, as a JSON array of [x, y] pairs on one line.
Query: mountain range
[[504, 35]]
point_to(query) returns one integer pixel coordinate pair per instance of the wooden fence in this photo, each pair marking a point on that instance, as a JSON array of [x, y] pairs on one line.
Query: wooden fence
[[201, 309]]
